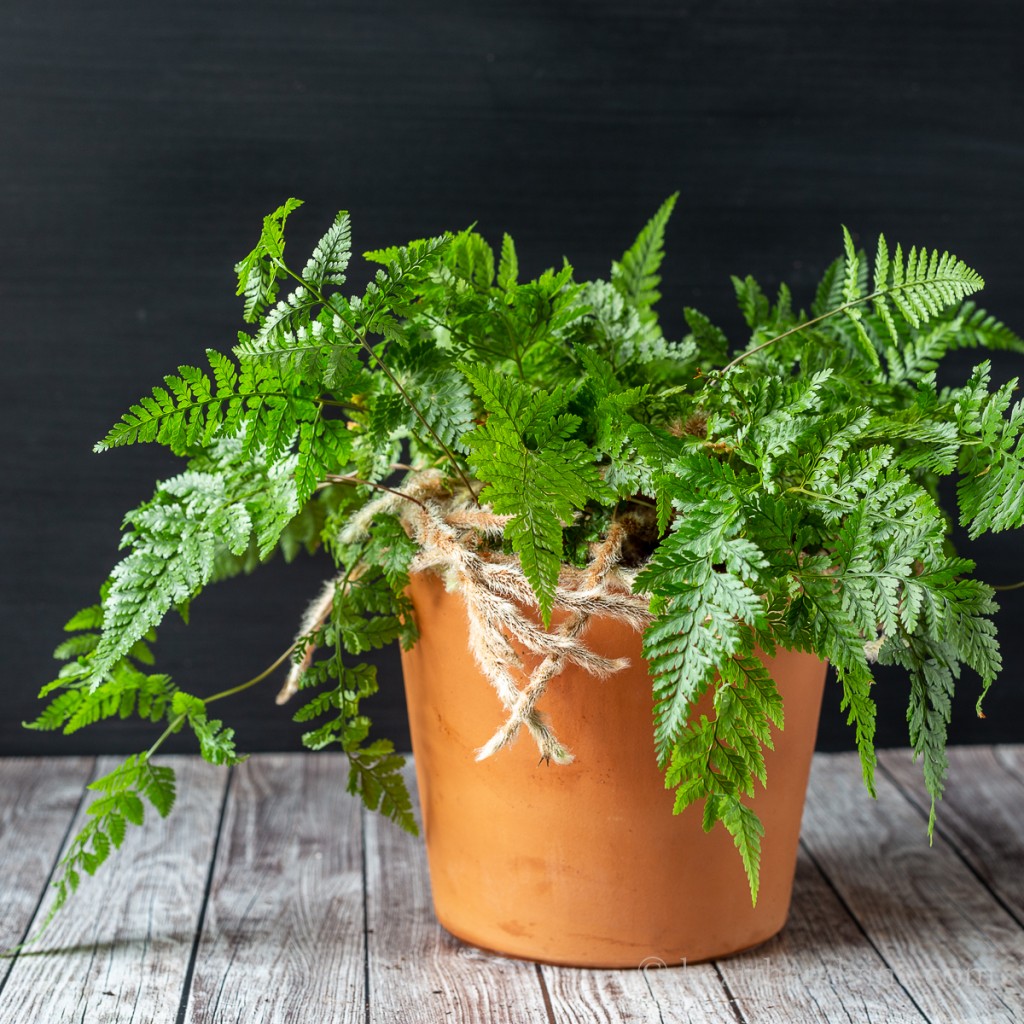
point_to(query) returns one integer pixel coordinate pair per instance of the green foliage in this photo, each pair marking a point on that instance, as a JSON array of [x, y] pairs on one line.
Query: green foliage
[[990, 490], [537, 470], [366, 612], [193, 410], [635, 277], [216, 743], [234, 500], [119, 804], [780, 494], [260, 271]]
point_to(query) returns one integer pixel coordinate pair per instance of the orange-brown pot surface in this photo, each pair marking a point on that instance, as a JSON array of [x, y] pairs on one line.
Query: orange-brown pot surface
[[585, 864]]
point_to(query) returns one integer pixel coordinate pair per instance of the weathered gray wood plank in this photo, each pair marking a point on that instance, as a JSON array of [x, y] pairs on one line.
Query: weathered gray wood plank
[[418, 973], [283, 936], [948, 943], [119, 951], [981, 813], [39, 800], [821, 968], [651, 993]]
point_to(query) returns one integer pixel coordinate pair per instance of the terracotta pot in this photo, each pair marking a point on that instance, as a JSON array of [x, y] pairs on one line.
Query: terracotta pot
[[585, 864]]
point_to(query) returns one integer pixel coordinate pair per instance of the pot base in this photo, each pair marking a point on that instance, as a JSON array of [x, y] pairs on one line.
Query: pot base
[[594, 961]]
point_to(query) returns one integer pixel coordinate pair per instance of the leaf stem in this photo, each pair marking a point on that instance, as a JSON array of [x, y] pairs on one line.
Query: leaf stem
[[355, 481], [177, 722], [255, 679], [800, 327]]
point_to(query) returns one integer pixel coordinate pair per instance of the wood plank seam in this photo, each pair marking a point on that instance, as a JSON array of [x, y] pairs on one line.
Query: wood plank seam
[[860, 927], [545, 994], [951, 841], [654, 998], [729, 995], [11, 961], [367, 991], [186, 988]]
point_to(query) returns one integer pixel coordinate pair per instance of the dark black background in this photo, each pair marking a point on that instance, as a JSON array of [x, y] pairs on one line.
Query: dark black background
[[143, 142]]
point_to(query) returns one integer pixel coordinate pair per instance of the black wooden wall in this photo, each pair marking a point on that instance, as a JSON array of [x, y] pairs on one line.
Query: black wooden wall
[[142, 142]]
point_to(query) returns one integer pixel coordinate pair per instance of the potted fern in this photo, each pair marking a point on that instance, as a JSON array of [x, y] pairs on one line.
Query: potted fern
[[535, 466]]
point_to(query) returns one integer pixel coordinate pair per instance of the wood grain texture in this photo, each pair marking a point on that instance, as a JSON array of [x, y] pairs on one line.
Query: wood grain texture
[[417, 972], [882, 929], [40, 799], [653, 993], [981, 813], [821, 968], [118, 953], [952, 948], [283, 934]]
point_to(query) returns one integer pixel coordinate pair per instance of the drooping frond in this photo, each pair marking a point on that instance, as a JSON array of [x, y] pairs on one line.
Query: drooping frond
[[174, 540], [119, 804], [990, 491], [192, 410], [365, 612]]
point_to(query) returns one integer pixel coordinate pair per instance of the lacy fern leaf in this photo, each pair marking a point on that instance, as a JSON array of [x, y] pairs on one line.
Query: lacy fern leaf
[[260, 271], [921, 285], [192, 411], [635, 276], [330, 258], [535, 469], [119, 804]]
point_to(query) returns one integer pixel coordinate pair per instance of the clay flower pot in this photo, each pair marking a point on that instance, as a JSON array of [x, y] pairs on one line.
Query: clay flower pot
[[585, 864]]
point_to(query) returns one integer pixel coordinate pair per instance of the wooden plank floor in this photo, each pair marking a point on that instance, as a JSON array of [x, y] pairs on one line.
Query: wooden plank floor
[[269, 896]]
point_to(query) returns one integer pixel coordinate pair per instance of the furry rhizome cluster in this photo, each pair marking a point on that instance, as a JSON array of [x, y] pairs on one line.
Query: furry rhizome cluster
[[780, 494]]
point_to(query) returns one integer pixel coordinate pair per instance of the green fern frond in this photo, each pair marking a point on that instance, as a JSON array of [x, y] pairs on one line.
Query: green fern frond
[[861, 713], [471, 259], [325, 447], [508, 267], [260, 271], [920, 286], [990, 491], [128, 692], [973, 328], [216, 743], [753, 303], [635, 275], [704, 616], [175, 539], [536, 471], [829, 293], [746, 829], [193, 410], [392, 284], [711, 341], [330, 257], [119, 804], [375, 775]]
